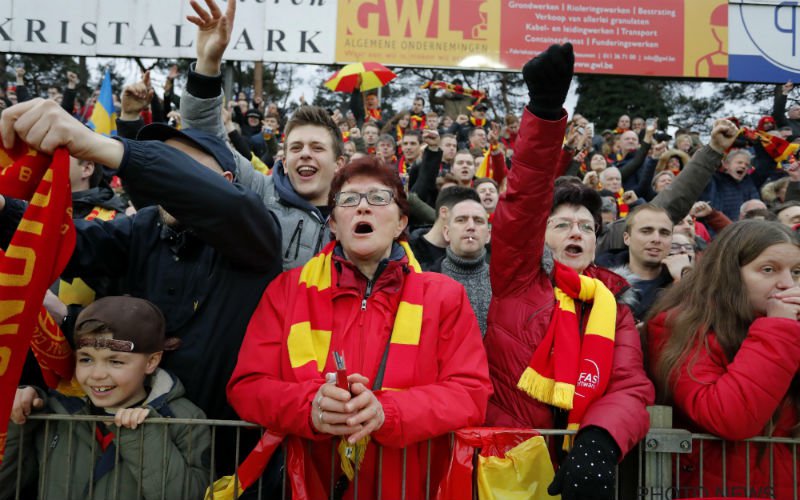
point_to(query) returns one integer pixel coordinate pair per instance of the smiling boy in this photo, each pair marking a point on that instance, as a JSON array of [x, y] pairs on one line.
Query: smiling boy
[[119, 342]]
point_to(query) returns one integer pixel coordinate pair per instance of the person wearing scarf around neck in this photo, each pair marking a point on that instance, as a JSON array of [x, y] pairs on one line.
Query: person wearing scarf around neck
[[562, 346], [365, 296]]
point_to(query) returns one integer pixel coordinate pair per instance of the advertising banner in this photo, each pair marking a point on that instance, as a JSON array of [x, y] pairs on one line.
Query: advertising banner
[[764, 41], [301, 31], [636, 37]]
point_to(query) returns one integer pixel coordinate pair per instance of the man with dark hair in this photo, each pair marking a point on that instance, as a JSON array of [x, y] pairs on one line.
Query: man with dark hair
[[648, 236], [467, 233], [478, 141], [429, 246], [417, 117], [449, 145], [370, 132], [463, 167], [296, 193], [411, 146], [387, 150]]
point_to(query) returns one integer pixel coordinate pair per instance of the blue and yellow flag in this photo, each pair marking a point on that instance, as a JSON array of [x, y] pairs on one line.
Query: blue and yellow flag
[[104, 118]]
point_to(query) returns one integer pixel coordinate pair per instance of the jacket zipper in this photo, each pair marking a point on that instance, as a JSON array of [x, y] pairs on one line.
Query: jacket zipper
[[366, 295], [298, 231], [319, 239]]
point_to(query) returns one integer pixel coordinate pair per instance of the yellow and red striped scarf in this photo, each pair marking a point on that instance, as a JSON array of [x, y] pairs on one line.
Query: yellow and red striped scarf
[[418, 122], [311, 332], [402, 168], [38, 252], [622, 207], [454, 89], [565, 371], [375, 114], [477, 122]]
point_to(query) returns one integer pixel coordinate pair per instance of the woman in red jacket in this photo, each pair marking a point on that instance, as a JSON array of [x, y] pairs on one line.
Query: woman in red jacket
[[725, 351], [410, 340], [563, 353]]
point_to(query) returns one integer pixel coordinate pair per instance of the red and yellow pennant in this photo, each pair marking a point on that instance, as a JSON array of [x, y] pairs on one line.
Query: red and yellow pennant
[[38, 252]]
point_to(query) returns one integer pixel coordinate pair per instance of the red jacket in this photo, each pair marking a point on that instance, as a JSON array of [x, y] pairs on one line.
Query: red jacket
[[735, 400], [452, 380], [523, 301]]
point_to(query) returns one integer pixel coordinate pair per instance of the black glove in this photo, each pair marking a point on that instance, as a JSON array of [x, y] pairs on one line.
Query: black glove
[[548, 76], [588, 471]]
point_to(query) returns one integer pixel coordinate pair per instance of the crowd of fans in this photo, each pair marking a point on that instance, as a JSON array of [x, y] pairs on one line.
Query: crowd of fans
[[522, 271]]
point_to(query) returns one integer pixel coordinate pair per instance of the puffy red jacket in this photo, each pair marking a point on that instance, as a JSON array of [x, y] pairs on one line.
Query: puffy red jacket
[[735, 400], [523, 301], [452, 380]]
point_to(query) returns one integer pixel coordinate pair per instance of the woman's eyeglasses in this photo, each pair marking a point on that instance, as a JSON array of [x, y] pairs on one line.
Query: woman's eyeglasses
[[375, 197]]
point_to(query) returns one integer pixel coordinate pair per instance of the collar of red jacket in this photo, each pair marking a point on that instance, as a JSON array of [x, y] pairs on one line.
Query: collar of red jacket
[[390, 273]]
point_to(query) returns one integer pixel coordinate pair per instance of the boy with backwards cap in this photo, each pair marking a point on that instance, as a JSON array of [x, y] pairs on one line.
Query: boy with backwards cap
[[119, 342]]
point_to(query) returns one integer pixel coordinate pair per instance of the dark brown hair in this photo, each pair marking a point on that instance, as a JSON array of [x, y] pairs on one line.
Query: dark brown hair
[[319, 117]]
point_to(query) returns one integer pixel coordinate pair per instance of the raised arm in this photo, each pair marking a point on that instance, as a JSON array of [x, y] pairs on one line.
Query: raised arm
[[779, 103], [202, 100], [677, 199], [521, 216], [679, 196], [425, 185]]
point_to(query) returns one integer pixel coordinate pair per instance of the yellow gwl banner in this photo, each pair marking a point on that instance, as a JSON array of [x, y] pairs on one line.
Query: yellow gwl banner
[[38, 252]]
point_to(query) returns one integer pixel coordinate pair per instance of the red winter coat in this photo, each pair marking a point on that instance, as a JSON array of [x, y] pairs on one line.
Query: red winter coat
[[523, 301], [735, 400], [452, 380]]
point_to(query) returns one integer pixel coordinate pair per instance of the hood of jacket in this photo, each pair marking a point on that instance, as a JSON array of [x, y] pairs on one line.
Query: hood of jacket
[[102, 196], [286, 191]]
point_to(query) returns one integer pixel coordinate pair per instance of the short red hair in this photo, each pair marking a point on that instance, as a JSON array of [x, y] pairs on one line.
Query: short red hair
[[371, 168]]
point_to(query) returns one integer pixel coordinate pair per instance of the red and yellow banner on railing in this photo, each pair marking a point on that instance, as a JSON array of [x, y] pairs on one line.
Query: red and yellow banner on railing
[[38, 252]]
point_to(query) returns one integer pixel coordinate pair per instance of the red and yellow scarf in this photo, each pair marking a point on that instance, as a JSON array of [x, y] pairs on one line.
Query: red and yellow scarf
[[402, 168], [622, 207], [375, 114], [311, 331], [777, 148], [566, 371], [38, 252], [454, 89], [477, 122], [418, 122]]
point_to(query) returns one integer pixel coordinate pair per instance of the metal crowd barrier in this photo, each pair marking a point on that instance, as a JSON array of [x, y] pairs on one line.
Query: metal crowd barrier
[[650, 472]]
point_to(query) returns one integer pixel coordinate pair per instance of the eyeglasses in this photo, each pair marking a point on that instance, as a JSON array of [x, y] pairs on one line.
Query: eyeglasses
[[564, 225], [375, 197], [678, 247]]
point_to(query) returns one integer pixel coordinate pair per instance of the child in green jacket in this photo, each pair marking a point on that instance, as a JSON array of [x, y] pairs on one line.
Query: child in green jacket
[[119, 342]]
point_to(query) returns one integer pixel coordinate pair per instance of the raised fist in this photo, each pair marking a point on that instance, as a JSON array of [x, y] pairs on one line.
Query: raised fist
[[548, 76]]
